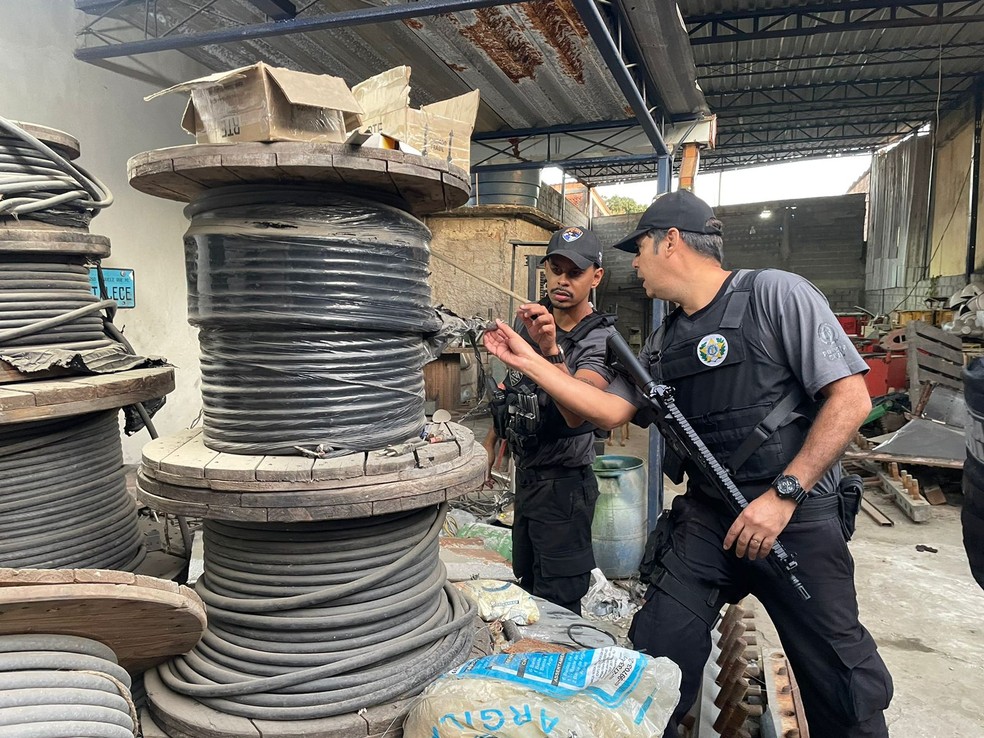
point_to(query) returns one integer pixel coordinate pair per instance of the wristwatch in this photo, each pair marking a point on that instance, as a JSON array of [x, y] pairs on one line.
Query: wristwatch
[[557, 358], [788, 487]]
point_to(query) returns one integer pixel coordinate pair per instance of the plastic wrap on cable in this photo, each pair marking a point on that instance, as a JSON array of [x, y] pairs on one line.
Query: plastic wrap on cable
[[452, 328], [290, 257], [276, 392]]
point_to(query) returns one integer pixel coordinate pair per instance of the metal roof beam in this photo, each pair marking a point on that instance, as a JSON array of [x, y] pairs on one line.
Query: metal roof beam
[[340, 19], [505, 135], [612, 52], [817, 130], [570, 164], [807, 20]]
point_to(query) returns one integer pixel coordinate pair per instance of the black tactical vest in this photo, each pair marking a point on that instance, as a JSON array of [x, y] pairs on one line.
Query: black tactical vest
[[750, 410], [552, 424]]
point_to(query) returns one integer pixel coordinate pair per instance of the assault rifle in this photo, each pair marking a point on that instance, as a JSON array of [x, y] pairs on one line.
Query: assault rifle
[[683, 439]]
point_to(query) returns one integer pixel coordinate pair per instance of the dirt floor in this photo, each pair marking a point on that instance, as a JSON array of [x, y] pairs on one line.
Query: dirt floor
[[923, 608]]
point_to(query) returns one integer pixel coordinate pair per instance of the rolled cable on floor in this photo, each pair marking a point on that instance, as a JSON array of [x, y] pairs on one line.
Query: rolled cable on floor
[[319, 619], [63, 496], [58, 686]]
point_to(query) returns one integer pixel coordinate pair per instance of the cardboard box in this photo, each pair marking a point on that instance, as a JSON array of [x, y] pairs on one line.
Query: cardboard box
[[264, 103], [441, 130]]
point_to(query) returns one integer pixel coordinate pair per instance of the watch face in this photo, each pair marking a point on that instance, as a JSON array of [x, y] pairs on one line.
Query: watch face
[[786, 486]]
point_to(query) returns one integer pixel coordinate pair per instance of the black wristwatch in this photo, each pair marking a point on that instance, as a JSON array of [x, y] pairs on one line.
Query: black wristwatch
[[788, 487], [557, 358]]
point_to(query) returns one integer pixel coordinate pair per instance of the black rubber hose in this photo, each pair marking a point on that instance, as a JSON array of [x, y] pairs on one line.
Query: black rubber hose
[[63, 496], [38, 183], [57, 686], [270, 392], [319, 619], [48, 304]]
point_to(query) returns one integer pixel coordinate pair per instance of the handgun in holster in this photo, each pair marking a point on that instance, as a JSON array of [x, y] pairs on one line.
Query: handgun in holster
[[850, 490]]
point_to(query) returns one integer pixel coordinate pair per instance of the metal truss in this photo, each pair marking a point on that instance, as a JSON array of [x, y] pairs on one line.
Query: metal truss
[[872, 91], [830, 17], [786, 134], [920, 111], [854, 60], [714, 161]]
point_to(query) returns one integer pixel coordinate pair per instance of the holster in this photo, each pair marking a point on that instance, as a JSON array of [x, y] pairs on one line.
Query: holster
[[850, 492], [657, 543]]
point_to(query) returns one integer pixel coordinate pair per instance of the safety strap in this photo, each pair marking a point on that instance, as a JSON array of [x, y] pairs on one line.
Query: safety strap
[[777, 417], [675, 579]]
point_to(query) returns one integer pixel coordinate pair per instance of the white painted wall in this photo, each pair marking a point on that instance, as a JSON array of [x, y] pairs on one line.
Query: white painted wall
[[41, 82]]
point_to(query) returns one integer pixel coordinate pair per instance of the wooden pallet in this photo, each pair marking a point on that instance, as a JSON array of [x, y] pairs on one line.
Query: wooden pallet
[[934, 356]]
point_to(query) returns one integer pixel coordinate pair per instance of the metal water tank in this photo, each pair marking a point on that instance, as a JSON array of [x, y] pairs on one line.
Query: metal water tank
[[618, 532], [517, 187]]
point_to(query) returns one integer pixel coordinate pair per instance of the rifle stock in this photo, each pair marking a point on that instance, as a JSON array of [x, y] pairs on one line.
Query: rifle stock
[[683, 439]]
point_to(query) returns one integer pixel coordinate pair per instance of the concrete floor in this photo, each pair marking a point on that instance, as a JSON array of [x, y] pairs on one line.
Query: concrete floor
[[924, 610]]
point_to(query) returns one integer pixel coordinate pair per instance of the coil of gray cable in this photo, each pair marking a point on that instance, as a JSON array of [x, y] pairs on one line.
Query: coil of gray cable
[[36, 289], [63, 496], [312, 620], [342, 389], [60, 686], [37, 183], [312, 308]]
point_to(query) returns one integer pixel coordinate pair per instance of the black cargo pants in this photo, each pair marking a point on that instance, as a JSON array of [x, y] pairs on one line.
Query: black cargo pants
[[844, 683], [551, 534]]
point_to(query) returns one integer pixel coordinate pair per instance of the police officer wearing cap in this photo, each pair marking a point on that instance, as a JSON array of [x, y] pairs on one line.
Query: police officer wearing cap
[[766, 375], [556, 490]]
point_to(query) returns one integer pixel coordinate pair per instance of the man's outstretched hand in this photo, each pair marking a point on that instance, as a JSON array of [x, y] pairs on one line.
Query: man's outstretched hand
[[508, 346]]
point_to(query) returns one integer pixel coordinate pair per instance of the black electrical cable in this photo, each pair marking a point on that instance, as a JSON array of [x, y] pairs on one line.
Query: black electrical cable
[[312, 308], [36, 291], [57, 686], [63, 496], [37, 183], [335, 389], [311, 620]]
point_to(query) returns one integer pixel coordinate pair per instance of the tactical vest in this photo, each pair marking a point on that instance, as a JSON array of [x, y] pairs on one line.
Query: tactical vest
[[751, 411], [550, 424]]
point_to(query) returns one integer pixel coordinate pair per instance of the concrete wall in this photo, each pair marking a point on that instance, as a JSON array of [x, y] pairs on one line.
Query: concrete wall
[[486, 241], [41, 82]]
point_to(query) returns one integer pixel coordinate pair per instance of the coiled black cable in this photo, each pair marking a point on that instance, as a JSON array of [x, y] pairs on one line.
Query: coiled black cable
[[63, 496], [340, 389], [311, 620], [57, 686], [35, 290], [37, 183], [312, 308]]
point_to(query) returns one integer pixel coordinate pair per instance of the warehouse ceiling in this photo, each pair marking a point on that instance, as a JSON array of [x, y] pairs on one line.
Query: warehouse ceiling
[[790, 80], [585, 84]]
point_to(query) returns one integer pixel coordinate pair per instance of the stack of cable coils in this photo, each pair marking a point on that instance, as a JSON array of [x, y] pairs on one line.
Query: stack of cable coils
[[311, 620], [52, 686], [63, 497], [312, 309], [35, 292]]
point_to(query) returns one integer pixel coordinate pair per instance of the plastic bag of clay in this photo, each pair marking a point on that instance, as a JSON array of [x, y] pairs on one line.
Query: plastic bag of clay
[[498, 600], [603, 692]]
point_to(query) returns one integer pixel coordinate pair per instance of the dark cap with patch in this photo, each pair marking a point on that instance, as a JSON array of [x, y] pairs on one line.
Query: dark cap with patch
[[577, 244], [682, 210]]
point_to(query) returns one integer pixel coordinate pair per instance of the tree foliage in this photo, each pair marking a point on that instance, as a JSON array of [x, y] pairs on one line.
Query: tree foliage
[[619, 205]]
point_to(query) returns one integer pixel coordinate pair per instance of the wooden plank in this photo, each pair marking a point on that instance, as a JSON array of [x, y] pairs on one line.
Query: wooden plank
[[57, 401], [284, 469], [182, 716], [908, 460], [188, 460], [349, 466], [9, 375], [934, 494], [233, 467], [157, 449], [875, 513], [938, 366], [12, 400], [917, 510], [934, 334]]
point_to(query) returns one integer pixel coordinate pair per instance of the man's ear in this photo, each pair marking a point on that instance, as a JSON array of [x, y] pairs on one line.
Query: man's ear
[[672, 240], [599, 273]]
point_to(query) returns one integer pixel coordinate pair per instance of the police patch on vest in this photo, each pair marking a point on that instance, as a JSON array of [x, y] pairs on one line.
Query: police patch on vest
[[712, 349]]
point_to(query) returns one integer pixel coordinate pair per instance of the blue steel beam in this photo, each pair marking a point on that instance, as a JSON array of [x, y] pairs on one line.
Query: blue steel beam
[[593, 161], [340, 19], [505, 135], [610, 52]]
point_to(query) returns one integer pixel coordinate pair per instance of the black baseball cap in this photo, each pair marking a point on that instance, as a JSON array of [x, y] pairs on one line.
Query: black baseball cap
[[682, 210], [578, 244]]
